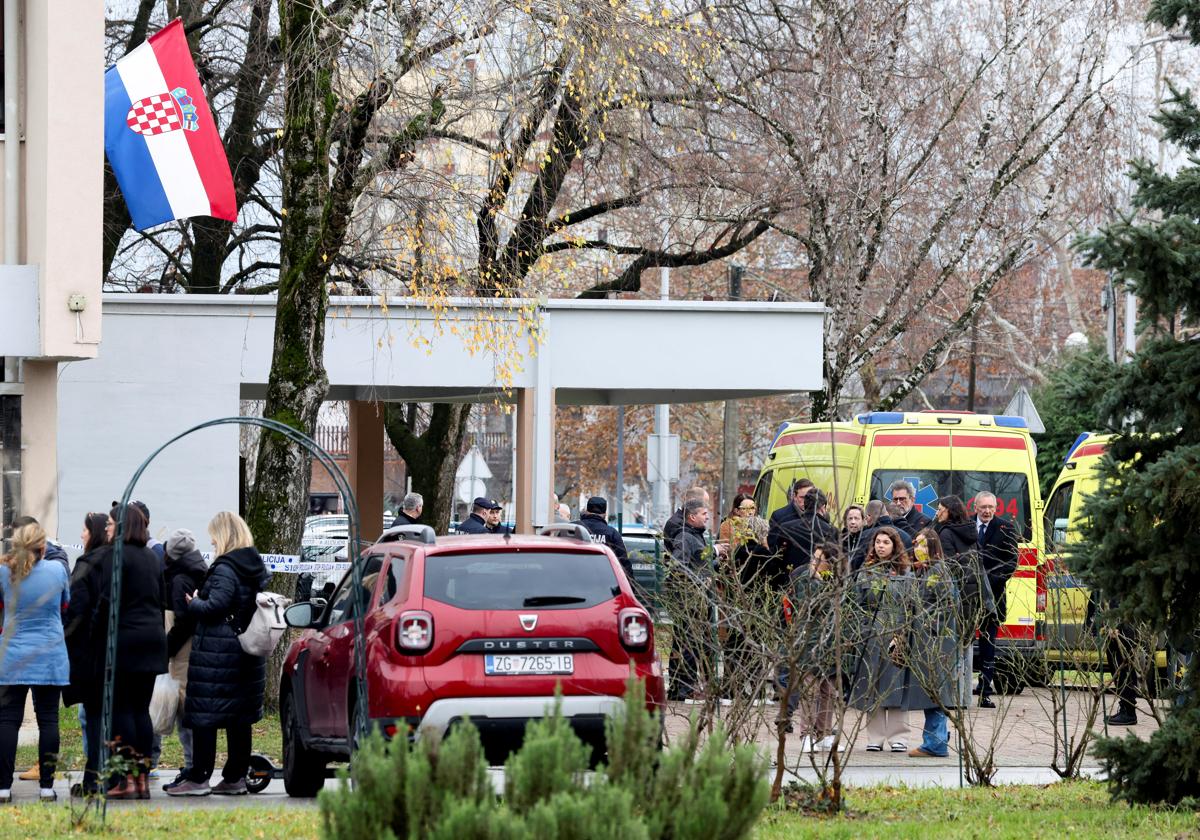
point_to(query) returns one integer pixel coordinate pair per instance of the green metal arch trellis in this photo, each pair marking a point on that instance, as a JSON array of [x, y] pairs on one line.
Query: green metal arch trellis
[[356, 570]]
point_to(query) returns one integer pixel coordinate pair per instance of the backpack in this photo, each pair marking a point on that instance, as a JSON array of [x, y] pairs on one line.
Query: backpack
[[266, 625]]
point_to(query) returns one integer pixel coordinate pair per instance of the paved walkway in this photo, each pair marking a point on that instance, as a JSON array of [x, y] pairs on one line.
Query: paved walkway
[[1024, 750], [1020, 731]]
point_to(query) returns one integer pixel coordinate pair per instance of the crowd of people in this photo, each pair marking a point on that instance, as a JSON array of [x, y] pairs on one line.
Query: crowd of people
[[177, 615], [920, 590]]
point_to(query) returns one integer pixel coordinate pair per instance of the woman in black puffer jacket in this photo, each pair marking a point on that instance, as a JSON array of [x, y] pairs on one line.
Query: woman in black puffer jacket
[[77, 627], [959, 539], [225, 684]]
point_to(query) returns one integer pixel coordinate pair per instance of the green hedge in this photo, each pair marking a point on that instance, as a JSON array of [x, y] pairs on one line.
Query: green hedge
[[442, 789]]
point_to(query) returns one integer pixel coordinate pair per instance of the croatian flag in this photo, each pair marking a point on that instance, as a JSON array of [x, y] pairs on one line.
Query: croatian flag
[[160, 136]]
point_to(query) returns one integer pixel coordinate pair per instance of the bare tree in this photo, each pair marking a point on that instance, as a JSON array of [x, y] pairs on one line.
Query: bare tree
[[907, 142]]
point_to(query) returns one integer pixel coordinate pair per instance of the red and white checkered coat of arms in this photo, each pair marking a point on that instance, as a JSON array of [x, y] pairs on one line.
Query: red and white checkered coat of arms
[[156, 114]]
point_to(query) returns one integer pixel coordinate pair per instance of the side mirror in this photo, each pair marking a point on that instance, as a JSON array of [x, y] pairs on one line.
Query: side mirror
[[302, 615], [1059, 535]]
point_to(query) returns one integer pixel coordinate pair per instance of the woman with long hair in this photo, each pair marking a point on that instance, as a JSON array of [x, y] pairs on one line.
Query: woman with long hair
[[225, 684], [887, 550], [878, 684], [745, 534], [142, 642], [743, 524], [957, 531], [954, 527], [77, 626], [815, 593], [933, 653], [33, 653]]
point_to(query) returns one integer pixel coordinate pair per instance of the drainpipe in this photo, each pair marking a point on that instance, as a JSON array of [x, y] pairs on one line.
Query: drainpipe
[[10, 368], [12, 132], [10, 445]]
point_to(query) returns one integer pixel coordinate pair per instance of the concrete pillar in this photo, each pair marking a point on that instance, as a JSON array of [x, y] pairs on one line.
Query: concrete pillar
[[543, 458], [366, 465], [39, 437], [524, 465]]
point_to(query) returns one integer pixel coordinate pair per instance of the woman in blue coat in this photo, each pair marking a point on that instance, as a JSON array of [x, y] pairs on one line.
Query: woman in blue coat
[[225, 684], [33, 654]]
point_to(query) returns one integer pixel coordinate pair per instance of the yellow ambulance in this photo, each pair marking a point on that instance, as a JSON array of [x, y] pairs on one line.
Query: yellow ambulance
[[940, 453], [1072, 637]]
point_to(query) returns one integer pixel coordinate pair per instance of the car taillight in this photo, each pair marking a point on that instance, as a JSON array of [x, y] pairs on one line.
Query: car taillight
[[1040, 585], [414, 631], [635, 627]]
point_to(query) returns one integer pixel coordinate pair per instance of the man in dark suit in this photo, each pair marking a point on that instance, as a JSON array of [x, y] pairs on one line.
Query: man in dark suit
[[674, 526], [809, 531], [998, 553], [911, 520], [783, 521]]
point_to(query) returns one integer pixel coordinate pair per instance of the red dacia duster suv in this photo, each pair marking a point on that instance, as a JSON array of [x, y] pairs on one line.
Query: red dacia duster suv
[[465, 627]]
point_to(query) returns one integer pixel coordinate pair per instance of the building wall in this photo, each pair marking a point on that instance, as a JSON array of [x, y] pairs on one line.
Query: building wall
[[61, 132], [63, 169]]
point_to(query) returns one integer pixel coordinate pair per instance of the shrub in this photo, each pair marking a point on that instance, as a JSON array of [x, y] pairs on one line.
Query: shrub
[[442, 790], [1164, 769]]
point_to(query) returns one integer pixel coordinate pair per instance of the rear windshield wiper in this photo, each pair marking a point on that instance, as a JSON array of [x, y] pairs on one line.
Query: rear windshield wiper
[[552, 600]]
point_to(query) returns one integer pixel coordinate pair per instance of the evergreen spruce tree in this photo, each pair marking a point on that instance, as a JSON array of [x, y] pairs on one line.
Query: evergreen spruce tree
[[1070, 402], [1141, 544]]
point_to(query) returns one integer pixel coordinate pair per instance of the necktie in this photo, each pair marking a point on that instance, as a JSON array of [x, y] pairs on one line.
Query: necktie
[[982, 529]]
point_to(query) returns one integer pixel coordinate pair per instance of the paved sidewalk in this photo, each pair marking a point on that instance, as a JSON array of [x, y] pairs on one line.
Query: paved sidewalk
[[1024, 750], [1023, 744]]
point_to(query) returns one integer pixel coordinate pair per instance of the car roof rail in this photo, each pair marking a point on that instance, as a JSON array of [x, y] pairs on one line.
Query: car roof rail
[[418, 533], [569, 530]]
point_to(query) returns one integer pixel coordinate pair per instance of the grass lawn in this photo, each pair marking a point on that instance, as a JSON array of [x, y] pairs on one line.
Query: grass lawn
[[267, 740], [1075, 809], [1079, 809], [54, 822]]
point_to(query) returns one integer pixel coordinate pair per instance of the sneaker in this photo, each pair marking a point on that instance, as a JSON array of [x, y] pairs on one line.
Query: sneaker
[[190, 788], [33, 774], [176, 782], [826, 744], [1122, 719], [899, 746], [874, 747], [224, 788], [47, 795], [986, 703], [153, 774]]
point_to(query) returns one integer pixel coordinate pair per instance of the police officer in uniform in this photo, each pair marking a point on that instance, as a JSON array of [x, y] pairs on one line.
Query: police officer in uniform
[[484, 518], [595, 521]]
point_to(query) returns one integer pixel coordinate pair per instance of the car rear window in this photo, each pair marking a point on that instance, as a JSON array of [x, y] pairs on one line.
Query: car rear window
[[516, 580]]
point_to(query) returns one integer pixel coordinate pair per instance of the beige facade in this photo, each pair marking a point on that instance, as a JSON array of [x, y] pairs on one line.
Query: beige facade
[[50, 288]]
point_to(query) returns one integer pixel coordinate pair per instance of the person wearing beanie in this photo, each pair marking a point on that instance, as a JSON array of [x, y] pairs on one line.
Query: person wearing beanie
[[595, 520], [184, 574]]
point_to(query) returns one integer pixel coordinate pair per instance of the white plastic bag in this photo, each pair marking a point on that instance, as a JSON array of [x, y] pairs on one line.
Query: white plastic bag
[[164, 704]]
